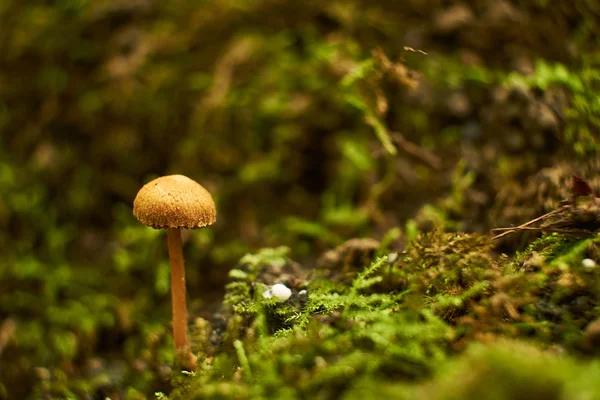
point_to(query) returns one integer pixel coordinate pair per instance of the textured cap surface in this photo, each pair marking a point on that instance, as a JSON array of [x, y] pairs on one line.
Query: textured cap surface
[[174, 201]]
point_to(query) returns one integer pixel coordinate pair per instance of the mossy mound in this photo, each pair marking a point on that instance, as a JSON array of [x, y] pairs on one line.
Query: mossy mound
[[398, 326]]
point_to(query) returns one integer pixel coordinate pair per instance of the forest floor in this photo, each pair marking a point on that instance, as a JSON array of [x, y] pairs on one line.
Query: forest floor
[[423, 180]]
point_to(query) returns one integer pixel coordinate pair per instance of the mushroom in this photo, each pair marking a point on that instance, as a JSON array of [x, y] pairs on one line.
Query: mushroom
[[174, 202]]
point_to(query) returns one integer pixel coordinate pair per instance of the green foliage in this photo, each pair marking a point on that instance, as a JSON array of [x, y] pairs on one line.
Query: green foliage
[[448, 268], [272, 257], [341, 341], [320, 344], [299, 118], [449, 72], [513, 371], [583, 123], [365, 279], [544, 292], [60, 302]]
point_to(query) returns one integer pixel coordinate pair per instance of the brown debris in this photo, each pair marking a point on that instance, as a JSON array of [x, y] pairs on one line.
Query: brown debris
[[453, 18], [578, 215], [351, 255], [591, 336]]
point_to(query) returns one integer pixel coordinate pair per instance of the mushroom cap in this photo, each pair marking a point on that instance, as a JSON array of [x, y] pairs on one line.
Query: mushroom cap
[[174, 201]]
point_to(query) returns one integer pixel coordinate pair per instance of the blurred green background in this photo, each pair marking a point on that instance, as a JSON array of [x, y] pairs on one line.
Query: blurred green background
[[309, 122]]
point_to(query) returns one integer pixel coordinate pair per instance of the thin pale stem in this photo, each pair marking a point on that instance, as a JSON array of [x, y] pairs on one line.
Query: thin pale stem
[[178, 299], [508, 231]]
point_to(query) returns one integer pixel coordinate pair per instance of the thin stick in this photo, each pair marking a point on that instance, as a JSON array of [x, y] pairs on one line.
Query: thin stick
[[508, 231], [545, 229], [529, 222], [178, 299], [417, 151], [558, 230]]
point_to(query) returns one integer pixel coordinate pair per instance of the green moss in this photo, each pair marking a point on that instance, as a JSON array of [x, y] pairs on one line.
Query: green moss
[[510, 370], [581, 131], [311, 124], [315, 345], [403, 322]]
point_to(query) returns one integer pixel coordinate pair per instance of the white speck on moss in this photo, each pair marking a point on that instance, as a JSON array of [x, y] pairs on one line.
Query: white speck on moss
[[392, 257], [588, 264], [281, 291]]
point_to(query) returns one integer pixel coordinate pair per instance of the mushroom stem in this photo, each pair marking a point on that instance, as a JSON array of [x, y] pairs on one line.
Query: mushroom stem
[[178, 299]]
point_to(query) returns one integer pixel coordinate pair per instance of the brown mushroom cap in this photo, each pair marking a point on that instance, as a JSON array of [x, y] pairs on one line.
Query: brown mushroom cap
[[174, 201]]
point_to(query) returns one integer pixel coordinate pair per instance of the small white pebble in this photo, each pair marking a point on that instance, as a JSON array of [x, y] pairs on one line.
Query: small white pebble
[[267, 294], [281, 291], [588, 263], [302, 292]]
